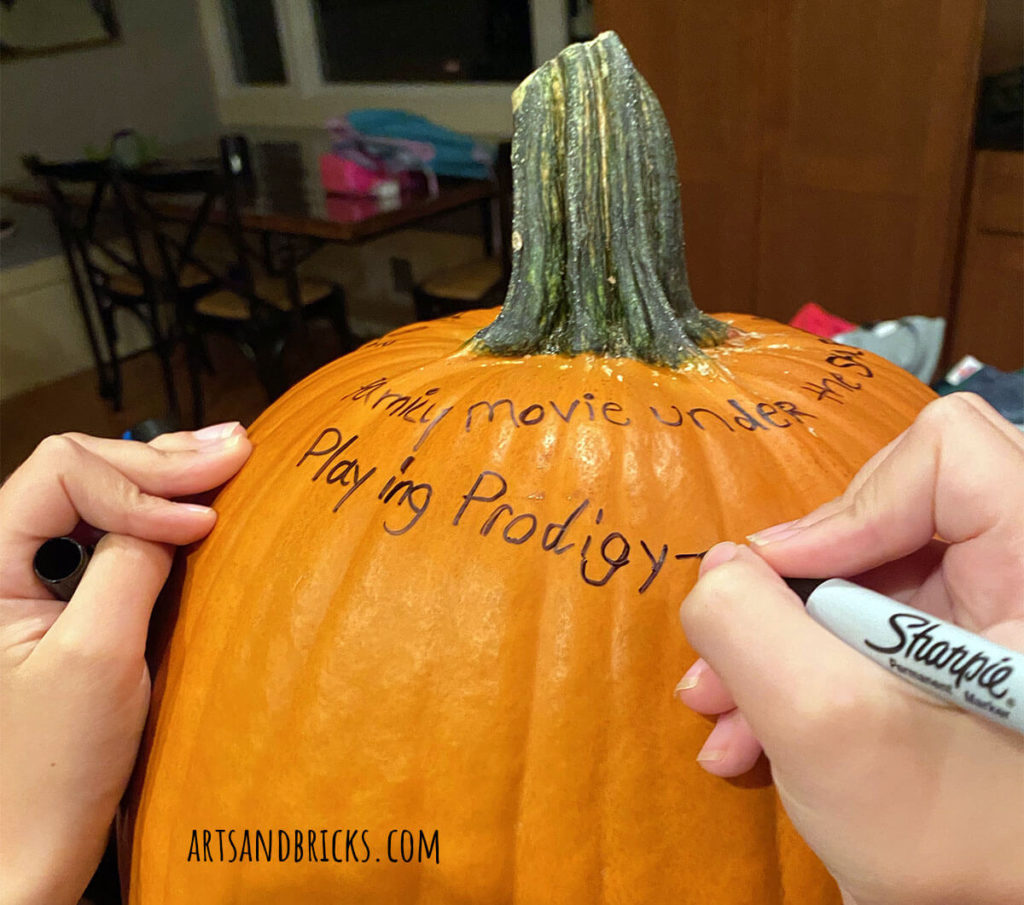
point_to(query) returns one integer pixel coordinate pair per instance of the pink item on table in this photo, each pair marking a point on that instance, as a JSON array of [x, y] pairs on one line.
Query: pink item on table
[[345, 177], [815, 319]]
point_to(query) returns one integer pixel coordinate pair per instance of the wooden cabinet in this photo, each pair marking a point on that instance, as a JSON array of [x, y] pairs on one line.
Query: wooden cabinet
[[988, 322], [822, 145]]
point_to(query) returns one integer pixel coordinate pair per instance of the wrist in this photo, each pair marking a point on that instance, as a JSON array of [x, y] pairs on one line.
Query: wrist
[[31, 877], [33, 887]]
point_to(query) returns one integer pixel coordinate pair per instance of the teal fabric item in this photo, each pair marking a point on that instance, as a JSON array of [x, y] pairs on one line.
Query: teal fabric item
[[456, 154]]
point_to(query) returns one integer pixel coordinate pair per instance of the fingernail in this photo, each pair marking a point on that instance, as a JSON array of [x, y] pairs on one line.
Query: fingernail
[[691, 678], [219, 444], [685, 684], [198, 509], [216, 431], [775, 533], [718, 554], [708, 755]]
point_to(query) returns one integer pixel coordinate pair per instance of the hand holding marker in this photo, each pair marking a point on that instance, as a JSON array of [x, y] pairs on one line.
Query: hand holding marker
[[907, 801], [74, 676]]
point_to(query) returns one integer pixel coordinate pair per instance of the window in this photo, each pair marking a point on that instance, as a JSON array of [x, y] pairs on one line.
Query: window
[[455, 62], [255, 49], [424, 40]]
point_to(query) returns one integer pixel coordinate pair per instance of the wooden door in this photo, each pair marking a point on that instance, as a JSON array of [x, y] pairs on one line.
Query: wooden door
[[989, 319], [822, 145], [705, 61]]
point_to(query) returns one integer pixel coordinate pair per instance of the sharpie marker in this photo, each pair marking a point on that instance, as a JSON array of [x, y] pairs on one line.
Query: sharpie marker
[[936, 656]]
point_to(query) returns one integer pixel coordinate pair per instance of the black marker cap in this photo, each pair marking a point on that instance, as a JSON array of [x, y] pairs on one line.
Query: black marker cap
[[804, 587], [59, 563]]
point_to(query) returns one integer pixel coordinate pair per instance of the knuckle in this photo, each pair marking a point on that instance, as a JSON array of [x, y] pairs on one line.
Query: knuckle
[[837, 717], [937, 414], [128, 551], [864, 516], [134, 555], [712, 597], [160, 454], [863, 504], [58, 448], [136, 512], [162, 444], [132, 499], [137, 509]]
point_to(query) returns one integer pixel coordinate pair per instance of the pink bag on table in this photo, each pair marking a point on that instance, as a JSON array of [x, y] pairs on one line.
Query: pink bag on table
[[381, 167], [341, 176]]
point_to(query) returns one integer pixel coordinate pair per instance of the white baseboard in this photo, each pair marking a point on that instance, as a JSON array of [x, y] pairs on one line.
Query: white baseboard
[[42, 337]]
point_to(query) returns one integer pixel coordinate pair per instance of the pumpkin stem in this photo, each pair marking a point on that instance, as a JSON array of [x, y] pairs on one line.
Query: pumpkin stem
[[597, 241]]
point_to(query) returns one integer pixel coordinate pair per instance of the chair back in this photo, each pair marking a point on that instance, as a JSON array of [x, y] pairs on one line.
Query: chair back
[[208, 198], [149, 224], [81, 196]]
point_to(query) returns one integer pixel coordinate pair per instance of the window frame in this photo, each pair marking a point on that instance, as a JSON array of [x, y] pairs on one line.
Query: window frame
[[482, 108]]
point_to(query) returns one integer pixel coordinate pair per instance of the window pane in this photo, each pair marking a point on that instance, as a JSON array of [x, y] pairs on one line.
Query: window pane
[[424, 40], [255, 49]]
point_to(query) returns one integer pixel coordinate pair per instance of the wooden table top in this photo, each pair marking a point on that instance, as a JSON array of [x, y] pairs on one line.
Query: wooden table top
[[287, 196]]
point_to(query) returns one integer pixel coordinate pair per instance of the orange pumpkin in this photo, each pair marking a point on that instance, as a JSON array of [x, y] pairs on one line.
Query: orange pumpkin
[[427, 655]]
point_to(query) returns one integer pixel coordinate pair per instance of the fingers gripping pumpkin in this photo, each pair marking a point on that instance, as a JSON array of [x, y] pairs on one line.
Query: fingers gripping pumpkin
[[441, 597]]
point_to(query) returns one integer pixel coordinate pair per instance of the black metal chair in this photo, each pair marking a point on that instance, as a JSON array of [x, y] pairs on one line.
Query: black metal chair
[[480, 283], [107, 273], [241, 299]]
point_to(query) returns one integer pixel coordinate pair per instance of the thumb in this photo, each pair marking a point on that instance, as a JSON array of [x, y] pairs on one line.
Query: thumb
[[791, 679]]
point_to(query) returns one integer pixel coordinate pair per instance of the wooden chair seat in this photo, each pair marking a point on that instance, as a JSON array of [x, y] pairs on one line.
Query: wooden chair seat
[[129, 284], [229, 305], [481, 283], [465, 283]]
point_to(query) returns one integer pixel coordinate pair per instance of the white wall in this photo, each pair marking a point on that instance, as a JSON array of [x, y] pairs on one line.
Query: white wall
[[43, 337], [156, 80]]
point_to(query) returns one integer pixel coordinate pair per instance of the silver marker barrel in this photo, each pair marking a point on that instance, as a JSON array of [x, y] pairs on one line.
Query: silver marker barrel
[[938, 657]]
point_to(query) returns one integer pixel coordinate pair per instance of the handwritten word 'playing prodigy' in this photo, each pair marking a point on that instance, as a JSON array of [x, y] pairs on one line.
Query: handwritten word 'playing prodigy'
[[484, 505]]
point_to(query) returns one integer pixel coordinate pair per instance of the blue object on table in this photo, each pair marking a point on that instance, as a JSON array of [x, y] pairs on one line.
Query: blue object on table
[[456, 154], [1003, 391]]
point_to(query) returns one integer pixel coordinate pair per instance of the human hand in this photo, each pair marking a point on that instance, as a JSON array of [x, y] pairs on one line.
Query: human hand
[[905, 799], [74, 677]]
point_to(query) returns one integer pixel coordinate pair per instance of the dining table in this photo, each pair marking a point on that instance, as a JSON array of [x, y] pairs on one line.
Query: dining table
[[283, 195], [281, 201]]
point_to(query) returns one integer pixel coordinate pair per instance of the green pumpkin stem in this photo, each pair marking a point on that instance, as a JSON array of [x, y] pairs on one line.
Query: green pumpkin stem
[[597, 241]]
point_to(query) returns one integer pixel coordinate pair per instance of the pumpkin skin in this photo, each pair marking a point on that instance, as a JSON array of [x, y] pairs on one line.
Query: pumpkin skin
[[360, 666]]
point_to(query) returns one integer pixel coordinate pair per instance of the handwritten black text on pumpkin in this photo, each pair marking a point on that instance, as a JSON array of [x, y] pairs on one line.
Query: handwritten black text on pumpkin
[[379, 395], [484, 505]]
